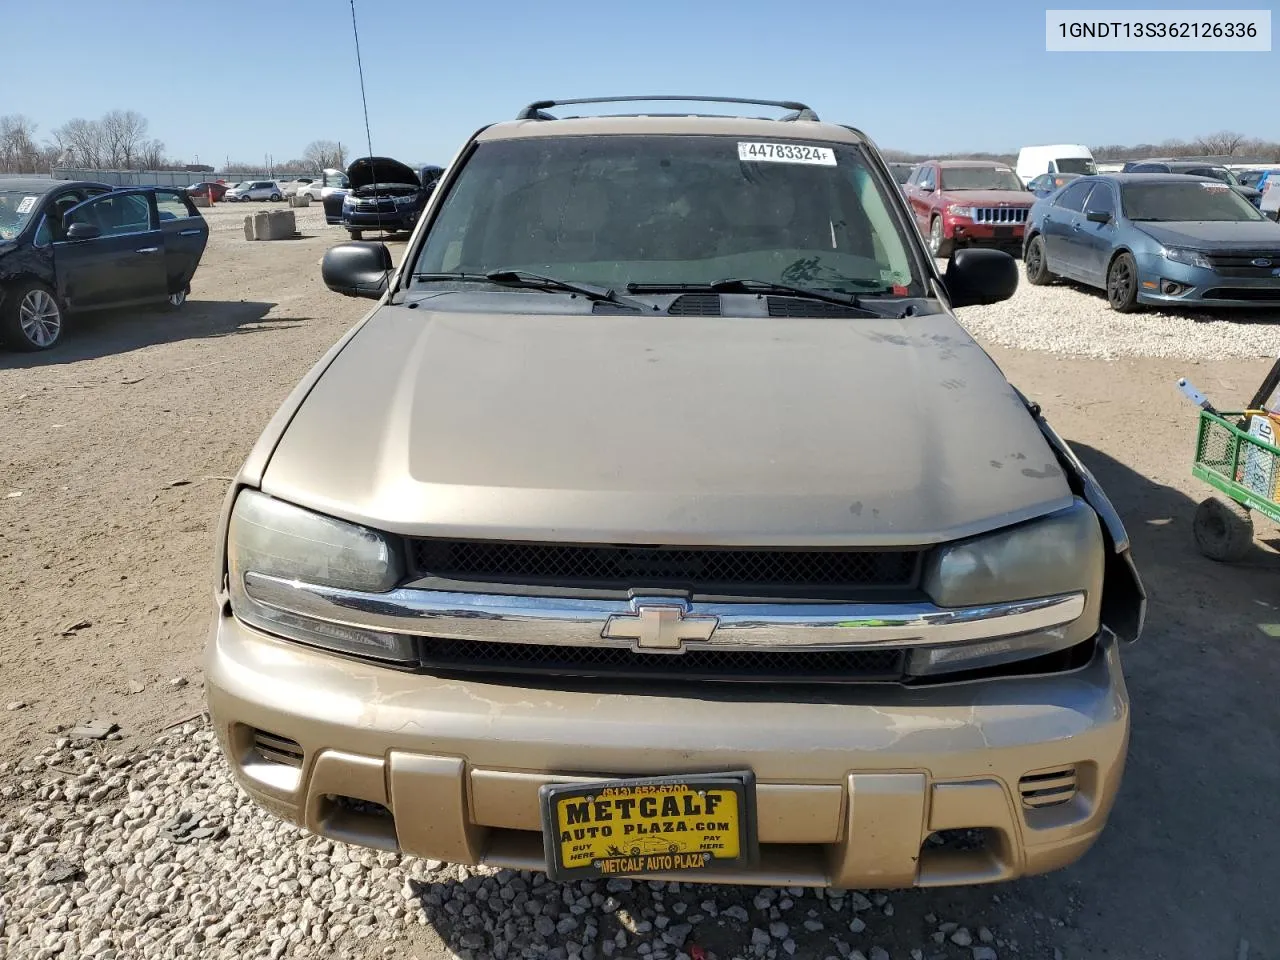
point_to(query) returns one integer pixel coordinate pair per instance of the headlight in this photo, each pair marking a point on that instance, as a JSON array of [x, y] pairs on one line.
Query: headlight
[[267, 538], [1062, 553], [956, 210], [1189, 257], [348, 201]]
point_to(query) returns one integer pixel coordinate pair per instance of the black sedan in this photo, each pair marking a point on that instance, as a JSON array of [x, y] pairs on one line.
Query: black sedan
[[69, 246]]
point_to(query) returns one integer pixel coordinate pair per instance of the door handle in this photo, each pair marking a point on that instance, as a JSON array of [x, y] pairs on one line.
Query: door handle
[[148, 250], [188, 233]]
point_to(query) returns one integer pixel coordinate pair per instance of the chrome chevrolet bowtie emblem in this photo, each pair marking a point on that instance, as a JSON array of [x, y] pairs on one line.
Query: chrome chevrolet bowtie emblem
[[659, 625]]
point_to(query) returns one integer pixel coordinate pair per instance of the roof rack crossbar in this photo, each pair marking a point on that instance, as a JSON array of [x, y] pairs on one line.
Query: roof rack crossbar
[[537, 109]]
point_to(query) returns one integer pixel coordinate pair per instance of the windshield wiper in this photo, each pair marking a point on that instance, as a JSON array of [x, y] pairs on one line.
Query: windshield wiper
[[738, 285], [536, 281]]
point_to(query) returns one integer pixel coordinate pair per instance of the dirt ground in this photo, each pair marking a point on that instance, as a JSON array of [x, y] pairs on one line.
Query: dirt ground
[[116, 448]]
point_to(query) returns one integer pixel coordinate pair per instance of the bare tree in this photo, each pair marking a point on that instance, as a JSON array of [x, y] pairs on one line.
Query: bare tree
[[322, 154], [1221, 144], [18, 150], [151, 155], [124, 131], [83, 139]]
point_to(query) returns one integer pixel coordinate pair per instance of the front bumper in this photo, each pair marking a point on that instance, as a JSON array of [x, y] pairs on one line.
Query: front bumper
[[390, 222], [967, 233], [1203, 287], [850, 786]]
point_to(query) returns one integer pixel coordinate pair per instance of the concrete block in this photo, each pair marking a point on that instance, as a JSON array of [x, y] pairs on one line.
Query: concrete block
[[248, 228]]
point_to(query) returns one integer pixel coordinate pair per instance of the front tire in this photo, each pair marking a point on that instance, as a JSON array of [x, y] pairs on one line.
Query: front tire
[[275, 198], [1037, 264], [176, 300], [1223, 529], [31, 318], [939, 245], [1122, 284]]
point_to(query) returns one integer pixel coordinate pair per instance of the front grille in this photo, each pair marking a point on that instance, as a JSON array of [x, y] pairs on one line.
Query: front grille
[[376, 206], [1260, 294], [277, 749], [763, 666], [1240, 264], [707, 570], [1048, 788], [695, 305], [797, 307], [1000, 214]]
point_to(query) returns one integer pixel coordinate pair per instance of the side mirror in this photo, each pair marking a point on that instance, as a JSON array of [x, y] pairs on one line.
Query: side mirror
[[977, 276], [1098, 216], [83, 231], [357, 269]]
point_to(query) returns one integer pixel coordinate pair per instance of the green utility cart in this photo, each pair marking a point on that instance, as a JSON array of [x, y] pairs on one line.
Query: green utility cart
[[1236, 453]]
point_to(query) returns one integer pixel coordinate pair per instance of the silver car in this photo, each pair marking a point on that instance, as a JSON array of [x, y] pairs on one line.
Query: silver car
[[256, 190]]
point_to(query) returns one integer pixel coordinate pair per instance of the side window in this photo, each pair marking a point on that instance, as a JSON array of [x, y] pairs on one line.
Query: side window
[[53, 227], [927, 178], [1072, 198], [1101, 200], [115, 214], [171, 206]]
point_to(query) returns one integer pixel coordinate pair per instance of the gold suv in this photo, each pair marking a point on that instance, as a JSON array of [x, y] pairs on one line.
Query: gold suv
[[661, 520]]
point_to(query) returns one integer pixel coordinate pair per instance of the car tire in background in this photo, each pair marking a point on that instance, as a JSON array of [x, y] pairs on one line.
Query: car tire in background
[[1223, 529], [275, 198], [31, 317], [939, 246], [1037, 266], [176, 301], [1122, 284]]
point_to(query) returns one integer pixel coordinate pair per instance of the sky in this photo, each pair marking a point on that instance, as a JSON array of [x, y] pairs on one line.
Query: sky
[[250, 78]]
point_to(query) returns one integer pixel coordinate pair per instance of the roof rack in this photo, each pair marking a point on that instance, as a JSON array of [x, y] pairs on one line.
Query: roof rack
[[537, 109]]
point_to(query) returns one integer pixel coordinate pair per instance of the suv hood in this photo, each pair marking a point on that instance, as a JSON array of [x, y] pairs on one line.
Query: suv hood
[[371, 170], [666, 430], [978, 198], [1214, 234]]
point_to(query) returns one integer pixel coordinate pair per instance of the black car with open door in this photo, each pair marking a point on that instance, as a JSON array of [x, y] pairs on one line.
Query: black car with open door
[[70, 247]]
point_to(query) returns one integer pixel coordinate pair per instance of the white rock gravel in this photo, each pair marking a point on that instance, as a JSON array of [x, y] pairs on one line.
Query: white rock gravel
[[157, 854], [1074, 320]]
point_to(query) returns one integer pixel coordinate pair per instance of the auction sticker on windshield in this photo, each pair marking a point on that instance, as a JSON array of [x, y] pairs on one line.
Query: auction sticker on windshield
[[680, 824], [787, 153], [26, 204]]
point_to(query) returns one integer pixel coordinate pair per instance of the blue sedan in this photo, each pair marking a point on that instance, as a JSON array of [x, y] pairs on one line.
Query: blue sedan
[[1165, 239]]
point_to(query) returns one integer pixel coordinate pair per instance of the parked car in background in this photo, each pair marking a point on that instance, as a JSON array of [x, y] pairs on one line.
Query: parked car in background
[[901, 171], [256, 190], [330, 181], [208, 188], [294, 187], [962, 203], [1046, 183], [495, 547], [69, 247], [1254, 178], [1054, 158], [386, 195], [1165, 239], [1195, 168]]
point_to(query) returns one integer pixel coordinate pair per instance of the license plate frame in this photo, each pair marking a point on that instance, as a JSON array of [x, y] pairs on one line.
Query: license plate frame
[[612, 856]]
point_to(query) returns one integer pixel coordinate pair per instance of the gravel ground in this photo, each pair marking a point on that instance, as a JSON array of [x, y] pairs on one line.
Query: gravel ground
[[1065, 318], [157, 853], [118, 445]]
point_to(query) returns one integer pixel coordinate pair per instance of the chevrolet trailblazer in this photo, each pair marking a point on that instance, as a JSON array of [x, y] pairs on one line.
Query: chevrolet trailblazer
[[661, 519]]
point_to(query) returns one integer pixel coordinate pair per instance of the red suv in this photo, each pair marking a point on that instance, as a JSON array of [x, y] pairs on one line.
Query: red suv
[[960, 203]]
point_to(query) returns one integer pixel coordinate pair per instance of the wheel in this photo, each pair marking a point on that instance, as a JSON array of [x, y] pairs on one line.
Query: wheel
[[1223, 529], [176, 300], [1122, 284], [31, 318], [1036, 264], [673, 848], [356, 234], [939, 245], [635, 851], [275, 198]]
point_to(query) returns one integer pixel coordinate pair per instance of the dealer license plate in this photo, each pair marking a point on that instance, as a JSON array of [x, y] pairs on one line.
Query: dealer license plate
[[652, 825]]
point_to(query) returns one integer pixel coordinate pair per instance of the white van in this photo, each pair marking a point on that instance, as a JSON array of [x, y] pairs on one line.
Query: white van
[[1054, 158]]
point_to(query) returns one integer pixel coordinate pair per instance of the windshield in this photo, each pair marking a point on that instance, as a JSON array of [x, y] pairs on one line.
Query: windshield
[[1188, 200], [17, 207], [901, 171], [979, 178], [612, 210], [1081, 165]]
